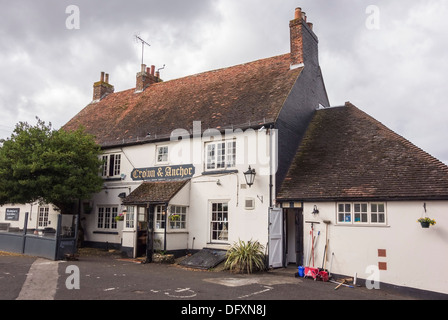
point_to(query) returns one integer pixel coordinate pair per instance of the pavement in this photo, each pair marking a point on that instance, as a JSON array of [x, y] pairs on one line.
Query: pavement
[[105, 275]]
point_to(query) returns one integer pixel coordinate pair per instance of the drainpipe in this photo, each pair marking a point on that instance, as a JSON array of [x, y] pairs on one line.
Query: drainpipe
[[166, 225], [270, 166]]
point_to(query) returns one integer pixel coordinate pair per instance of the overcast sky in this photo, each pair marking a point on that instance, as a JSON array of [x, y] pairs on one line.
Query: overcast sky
[[390, 60]]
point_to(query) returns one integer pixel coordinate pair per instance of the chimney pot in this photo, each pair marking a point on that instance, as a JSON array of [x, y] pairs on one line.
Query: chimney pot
[[145, 78], [298, 13], [102, 87], [303, 44], [153, 68]]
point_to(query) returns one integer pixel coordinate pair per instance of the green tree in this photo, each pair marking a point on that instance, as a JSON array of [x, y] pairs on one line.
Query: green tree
[[38, 163]]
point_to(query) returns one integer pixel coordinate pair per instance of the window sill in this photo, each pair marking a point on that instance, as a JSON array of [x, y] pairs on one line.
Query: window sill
[[112, 178], [106, 232], [223, 171], [341, 224]]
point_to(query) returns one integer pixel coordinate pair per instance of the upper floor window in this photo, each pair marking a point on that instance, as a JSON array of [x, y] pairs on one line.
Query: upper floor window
[[111, 165], [162, 154], [220, 155], [361, 213]]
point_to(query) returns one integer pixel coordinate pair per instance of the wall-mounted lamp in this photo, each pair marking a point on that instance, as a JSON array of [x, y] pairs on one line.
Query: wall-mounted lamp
[[315, 210], [249, 175]]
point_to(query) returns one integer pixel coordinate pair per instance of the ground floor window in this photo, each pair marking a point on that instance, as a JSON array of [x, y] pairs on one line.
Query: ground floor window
[[178, 217], [219, 221], [106, 217], [129, 217], [160, 217], [43, 216], [361, 213]]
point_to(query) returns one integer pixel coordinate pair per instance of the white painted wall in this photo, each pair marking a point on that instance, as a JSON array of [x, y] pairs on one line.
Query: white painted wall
[[252, 149], [33, 210], [415, 257]]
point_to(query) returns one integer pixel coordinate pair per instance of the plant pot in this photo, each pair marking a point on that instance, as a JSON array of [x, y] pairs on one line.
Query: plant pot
[[425, 224]]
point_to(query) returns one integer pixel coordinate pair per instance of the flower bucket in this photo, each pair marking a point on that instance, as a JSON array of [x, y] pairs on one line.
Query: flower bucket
[[424, 224]]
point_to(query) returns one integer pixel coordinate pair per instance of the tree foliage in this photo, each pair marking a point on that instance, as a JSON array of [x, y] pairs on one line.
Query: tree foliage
[[38, 163]]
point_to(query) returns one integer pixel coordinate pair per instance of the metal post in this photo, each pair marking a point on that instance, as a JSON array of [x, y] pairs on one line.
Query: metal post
[[25, 226]]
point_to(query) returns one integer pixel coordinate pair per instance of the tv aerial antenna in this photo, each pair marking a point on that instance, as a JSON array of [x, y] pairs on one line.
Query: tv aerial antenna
[[139, 39]]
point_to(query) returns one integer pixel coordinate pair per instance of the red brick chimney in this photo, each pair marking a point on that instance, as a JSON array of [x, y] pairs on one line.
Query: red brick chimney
[[102, 87], [303, 40], [145, 78]]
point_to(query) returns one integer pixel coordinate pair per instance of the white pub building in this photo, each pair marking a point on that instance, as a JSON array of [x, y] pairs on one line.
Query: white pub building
[[255, 152], [195, 162]]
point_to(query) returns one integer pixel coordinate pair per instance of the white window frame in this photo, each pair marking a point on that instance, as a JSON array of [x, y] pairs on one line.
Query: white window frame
[[179, 223], [130, 217], [159, 217], [219, 225], [105, 217], [162, 154], [220, 155], [43, 218], [361, 213], [111, 165]]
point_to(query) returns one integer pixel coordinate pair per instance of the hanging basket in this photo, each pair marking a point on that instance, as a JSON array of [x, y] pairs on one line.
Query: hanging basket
[[426, 222]]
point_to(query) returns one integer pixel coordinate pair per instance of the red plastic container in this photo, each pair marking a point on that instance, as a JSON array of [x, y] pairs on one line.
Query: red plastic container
[[311, 272], [322, 275], [316, 274]]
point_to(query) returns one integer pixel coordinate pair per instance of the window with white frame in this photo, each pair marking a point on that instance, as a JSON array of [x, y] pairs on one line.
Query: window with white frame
[[43, 216], [377, 213], [220, 155], [111, 165], [361, 213], [178, 217], [160, 217], [130, 217], [219, 221], [162, 154], [106, 217]]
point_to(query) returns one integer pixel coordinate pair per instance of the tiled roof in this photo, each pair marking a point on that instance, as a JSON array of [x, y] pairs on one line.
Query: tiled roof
[[155, 192], [346, 154], [244, 94]]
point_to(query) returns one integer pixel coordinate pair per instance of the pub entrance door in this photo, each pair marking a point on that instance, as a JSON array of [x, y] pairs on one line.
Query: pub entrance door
[[142, 230]]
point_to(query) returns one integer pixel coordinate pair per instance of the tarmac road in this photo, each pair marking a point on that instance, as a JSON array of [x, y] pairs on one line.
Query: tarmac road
[[108, 277]]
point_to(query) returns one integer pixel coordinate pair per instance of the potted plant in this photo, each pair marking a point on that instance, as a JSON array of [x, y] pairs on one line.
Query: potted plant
[[175, 217], [426, 222], [245, 257], [120, 217]]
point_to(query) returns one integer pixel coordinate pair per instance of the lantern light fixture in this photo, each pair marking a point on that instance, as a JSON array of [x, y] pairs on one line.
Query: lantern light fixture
[[249, 175]]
